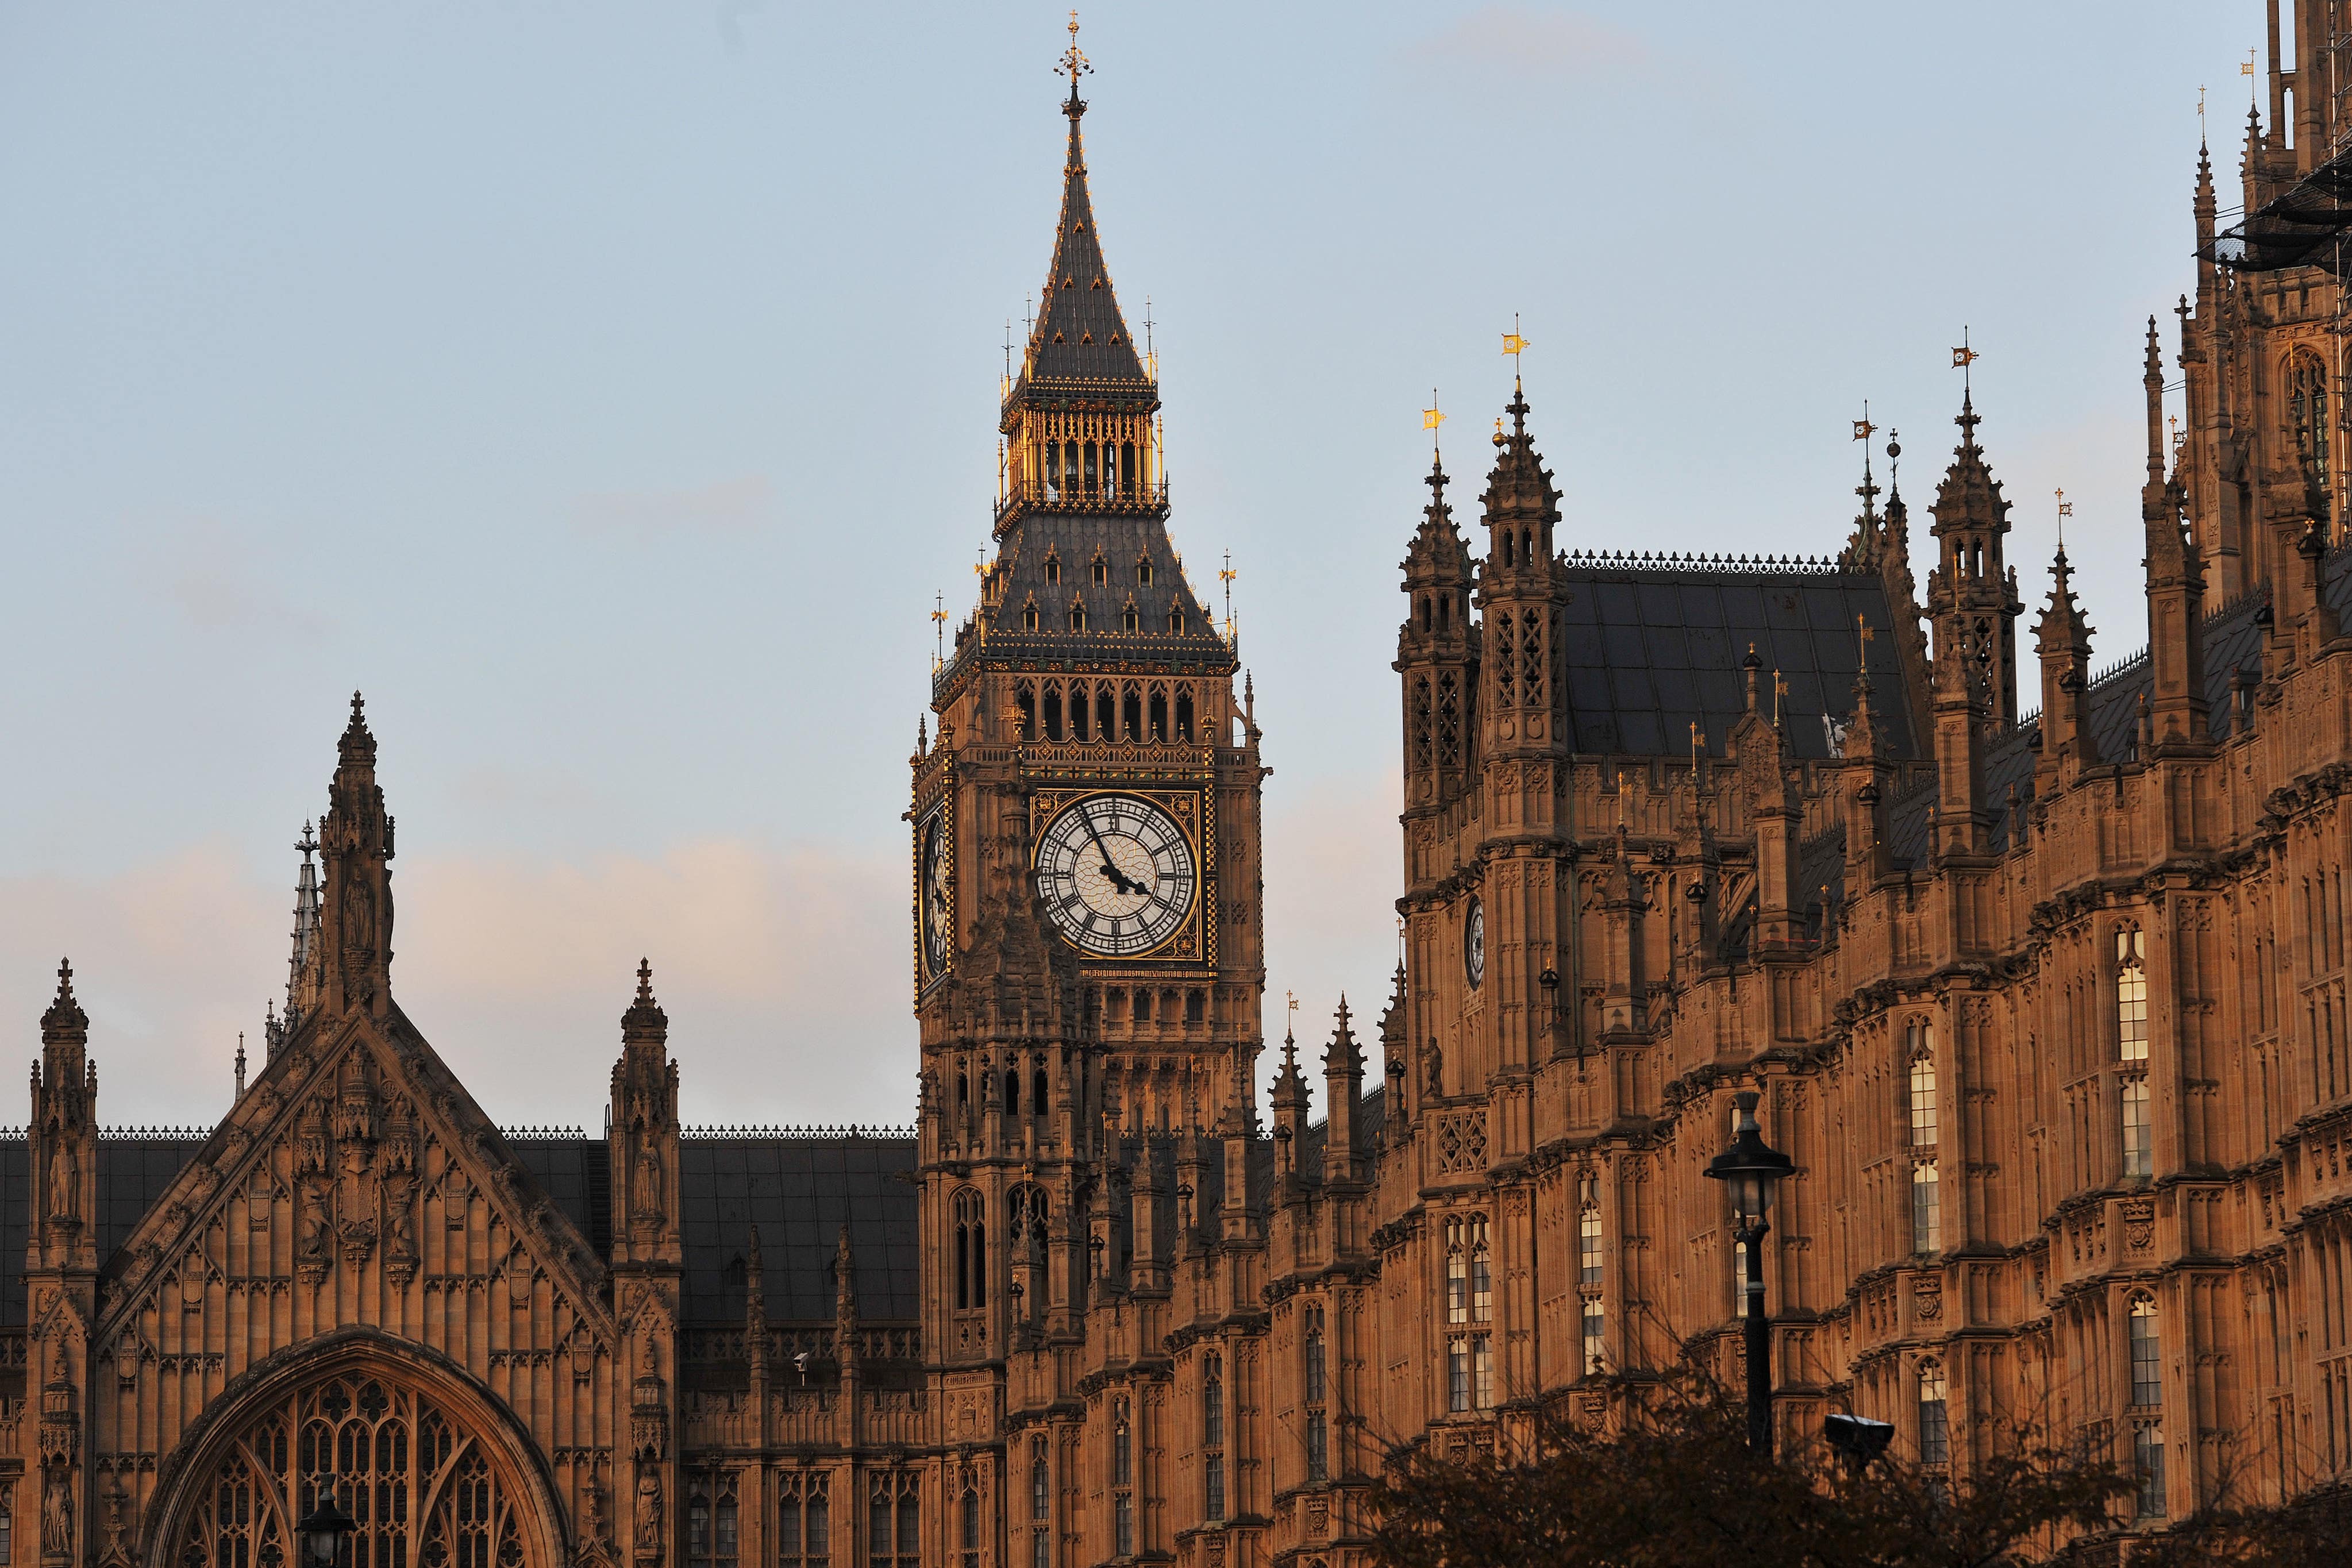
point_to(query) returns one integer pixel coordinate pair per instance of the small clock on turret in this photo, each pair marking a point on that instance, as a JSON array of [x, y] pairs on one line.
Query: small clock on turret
[[1474, 944]]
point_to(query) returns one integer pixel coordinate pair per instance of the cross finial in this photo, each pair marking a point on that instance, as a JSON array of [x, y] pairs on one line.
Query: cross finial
[[1073, 61]]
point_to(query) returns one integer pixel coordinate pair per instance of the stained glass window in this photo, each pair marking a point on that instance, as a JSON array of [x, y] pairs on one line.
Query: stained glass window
[[420, 1487]]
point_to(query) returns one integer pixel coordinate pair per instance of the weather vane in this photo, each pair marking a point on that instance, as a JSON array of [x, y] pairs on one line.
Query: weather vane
[[2065, 510], [1962, 358], [1432, 417], [938, 629], [1226, 574], [1514, 344], [1863, 428], [1074, 63], [2253, 87]]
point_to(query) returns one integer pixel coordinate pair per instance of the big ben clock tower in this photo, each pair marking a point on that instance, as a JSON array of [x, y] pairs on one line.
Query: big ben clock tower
[[1087, 955]]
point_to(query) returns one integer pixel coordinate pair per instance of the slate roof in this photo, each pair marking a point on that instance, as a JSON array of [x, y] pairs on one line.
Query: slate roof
[[798, 1189], [1654, 646], [2233, 642], [1124, 541], [1079, 334], [132, 1172]]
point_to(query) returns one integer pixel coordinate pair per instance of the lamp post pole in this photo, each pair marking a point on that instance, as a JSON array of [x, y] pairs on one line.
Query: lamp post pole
[[1760, 1342], [1750, 1170]]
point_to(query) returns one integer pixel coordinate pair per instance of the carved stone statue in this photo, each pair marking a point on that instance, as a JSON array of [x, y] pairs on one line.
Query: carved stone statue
[[315, 1240], [649, 1183], [64, 1184], [56, 1515], [649, 1514]]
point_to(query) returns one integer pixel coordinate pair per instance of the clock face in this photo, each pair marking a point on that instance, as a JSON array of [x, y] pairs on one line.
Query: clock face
[[935, 897], [1117, 874], [1474, 944]]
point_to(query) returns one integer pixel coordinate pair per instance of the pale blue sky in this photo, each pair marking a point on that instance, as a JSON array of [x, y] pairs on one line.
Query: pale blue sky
[[607, 388]]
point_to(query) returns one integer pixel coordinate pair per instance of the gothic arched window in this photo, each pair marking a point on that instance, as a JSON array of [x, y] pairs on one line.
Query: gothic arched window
[[1935, 1429], [2307, 410], [423, 1488], [970, 1250], [1923, 1086]]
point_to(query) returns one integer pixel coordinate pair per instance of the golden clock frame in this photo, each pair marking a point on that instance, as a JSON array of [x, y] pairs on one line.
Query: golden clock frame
[[940, 801], [1193, 943]]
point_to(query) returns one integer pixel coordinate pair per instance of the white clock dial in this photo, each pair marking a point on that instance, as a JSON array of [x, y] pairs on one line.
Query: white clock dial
[[1474, 944], [935, 897], [1117, 875]]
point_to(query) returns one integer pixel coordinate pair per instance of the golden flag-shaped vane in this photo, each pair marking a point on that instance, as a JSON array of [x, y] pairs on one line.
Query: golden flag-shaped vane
[[1514, 344], [1864, 430], [1962, 358], [1430, 419]]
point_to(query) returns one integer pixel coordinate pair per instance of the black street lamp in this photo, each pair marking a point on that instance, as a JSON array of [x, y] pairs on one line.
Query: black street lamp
[[1749, 1170], [320, 1533]]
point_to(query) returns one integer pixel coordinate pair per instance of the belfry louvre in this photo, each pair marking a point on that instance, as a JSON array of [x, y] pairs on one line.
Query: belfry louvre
[[2040, 972]]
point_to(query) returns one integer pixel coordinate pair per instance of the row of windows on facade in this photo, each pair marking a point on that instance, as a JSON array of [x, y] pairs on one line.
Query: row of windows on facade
[[1130, 619], [1098, 569], [805, 1536], [1110, 715], [2147, 1372], [2131, 1050]]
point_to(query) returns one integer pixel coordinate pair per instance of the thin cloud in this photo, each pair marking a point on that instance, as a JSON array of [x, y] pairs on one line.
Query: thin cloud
[[1525, 44], [221, 582], [726, 507], [784, 973]]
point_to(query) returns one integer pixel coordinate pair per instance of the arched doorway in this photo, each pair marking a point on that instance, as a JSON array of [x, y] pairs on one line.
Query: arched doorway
[[429, 1468]]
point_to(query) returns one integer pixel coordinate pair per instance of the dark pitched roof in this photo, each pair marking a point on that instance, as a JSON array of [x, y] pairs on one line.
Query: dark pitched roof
[[132, 1172], [2233, 642], [1123, 541], [1079, 334], [1654, 645], [800, 1191]]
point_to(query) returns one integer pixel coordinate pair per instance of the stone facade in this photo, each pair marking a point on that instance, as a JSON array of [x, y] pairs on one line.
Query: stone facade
[[2049, 1007]]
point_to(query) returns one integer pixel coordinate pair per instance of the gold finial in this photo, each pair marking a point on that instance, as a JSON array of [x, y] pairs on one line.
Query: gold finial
[[1515, 345], [1864, 633], [1225, 574], [938, 631], [2201, 114], [1779, 690], [2065, 510], [2253, 87], [1433, 417], [1074, 62]]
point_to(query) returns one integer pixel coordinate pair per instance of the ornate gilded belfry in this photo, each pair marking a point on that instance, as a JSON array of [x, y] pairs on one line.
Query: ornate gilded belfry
[[1080, 420]]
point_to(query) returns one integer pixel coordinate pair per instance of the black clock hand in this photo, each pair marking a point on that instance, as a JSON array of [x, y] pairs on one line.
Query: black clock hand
[[1118, 878]]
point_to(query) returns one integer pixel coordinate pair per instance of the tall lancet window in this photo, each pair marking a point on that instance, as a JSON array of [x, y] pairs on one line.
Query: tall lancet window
[[2307, 413]]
